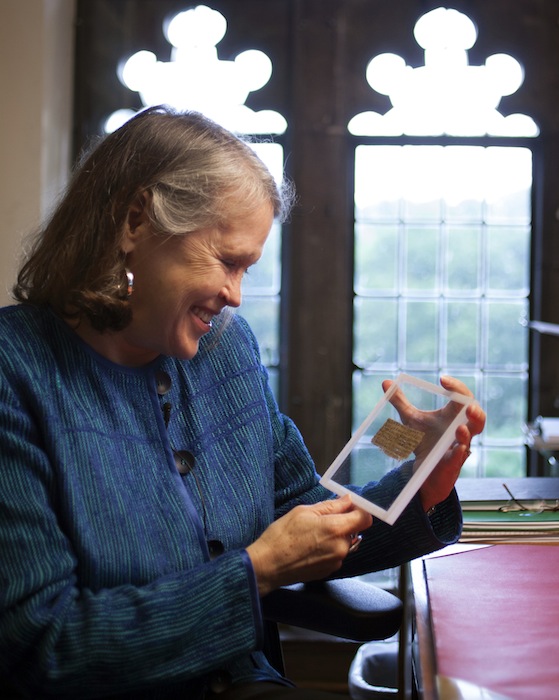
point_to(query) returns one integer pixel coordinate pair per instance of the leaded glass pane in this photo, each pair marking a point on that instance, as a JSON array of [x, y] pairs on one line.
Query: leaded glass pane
[[508, 249], [377, 182], [376, 332], [421, 257], [508, 178], [366, 393], [462, 262], [376, 258], [262, 283], [264, 278], [463, 328], [442, 279], [262, 313], [507, 340], [505, 463], [421, 333], [505, 396]]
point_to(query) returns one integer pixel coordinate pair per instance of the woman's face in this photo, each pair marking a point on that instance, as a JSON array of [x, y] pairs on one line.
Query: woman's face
[[182, 282]]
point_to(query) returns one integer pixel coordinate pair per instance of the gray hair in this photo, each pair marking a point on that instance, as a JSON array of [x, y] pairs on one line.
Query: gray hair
[[194, 170]]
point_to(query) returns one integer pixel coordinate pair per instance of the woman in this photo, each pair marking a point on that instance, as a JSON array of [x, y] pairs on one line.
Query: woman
[[151, 490]]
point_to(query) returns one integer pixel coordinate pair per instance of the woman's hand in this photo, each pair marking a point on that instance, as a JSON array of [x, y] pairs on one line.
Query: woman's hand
[[308, 543], [440, 482]]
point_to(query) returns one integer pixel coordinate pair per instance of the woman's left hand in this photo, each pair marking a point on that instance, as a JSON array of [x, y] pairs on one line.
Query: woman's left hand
[[439, 484]]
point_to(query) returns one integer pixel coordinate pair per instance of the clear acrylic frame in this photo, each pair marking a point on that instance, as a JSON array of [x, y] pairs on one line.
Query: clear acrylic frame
[[382, 443]]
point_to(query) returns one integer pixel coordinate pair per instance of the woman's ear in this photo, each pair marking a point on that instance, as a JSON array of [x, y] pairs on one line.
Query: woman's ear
[[137, 223]]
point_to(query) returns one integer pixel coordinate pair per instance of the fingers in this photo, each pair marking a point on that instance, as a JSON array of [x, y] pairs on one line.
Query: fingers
[[440, 482], [406, 409], [474, 426], [398, 399], [460, 452], [344, 504], [342, 524], [463, 435], [453, 384], [308, 543], [351, 519], [474, 413], [476, 419], [355, 536]]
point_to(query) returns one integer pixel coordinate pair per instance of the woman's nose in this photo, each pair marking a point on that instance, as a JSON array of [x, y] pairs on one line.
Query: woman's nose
[[232, 294]]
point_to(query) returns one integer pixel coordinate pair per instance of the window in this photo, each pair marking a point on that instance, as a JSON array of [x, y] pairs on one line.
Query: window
[[319, 54], [442, 281], [442, 236]]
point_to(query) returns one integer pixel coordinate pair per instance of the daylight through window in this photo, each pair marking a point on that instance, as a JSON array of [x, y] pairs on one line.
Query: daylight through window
[[442, 236]]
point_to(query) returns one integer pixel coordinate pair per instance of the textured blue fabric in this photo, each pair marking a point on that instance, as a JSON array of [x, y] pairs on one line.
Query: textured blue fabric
[[106, 586]]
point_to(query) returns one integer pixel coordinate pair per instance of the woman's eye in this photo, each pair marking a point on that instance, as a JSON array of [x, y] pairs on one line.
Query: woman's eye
[[235, 265]]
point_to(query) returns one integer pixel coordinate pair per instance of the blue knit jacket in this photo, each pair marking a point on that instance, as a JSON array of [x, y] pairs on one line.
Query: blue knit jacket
[[106, 584]]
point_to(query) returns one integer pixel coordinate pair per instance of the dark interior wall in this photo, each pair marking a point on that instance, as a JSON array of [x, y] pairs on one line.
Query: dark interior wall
[[320, 49], [109, 31]]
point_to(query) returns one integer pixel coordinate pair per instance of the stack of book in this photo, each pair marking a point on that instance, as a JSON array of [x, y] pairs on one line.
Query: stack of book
[[503, 511]]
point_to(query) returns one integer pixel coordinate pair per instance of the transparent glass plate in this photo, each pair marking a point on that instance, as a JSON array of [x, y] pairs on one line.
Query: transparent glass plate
[[384, 441]]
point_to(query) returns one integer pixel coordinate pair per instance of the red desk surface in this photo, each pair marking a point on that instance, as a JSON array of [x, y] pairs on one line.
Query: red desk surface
[[495, 618]]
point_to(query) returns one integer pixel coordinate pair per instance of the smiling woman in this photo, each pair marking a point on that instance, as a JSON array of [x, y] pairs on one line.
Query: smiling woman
[[182, 282], [191, 167], [149, 482]]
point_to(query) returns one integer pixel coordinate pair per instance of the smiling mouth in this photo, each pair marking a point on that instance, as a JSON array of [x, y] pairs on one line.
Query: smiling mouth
[[204, 316]]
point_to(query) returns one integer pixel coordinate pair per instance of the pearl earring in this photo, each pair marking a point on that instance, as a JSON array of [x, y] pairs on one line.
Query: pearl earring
[[130, 288]]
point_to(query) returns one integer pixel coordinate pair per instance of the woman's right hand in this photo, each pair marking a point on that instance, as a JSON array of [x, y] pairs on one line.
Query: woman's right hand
[[308, 543]]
